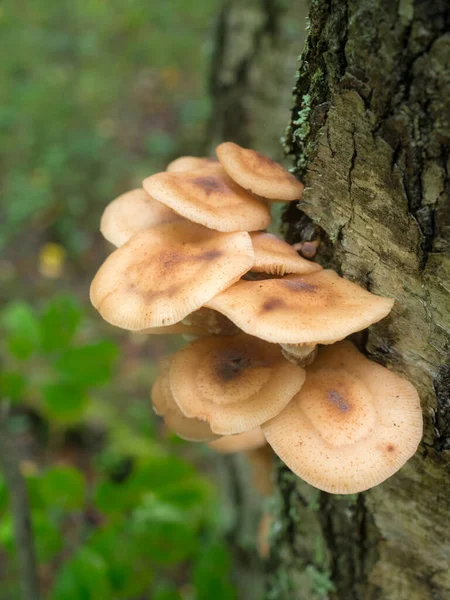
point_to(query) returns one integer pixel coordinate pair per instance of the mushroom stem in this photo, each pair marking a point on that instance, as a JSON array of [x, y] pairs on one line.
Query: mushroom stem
[[261, 462], [299, 354]]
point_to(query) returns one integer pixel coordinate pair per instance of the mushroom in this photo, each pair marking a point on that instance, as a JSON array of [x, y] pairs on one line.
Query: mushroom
[[353, 424], [235, 383], [320, 308], [263, 540], [258, 173], [176, 329], [276, 257], [132, 212], [261, 462], [165, 406], [163, 274], [240, 442], [209, 197], [189, 163]]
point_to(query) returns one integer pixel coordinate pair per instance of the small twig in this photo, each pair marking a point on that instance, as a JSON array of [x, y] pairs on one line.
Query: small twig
[[20, 508]]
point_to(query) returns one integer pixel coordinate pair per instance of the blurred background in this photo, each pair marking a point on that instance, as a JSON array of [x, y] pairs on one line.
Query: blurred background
[[94, 96]]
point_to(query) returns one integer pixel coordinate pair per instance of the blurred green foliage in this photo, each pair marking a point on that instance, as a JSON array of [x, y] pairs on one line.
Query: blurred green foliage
[[94, 95], [151, 530]]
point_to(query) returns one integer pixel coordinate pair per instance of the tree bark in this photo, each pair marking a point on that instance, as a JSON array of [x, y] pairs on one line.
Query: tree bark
[[369, 135]]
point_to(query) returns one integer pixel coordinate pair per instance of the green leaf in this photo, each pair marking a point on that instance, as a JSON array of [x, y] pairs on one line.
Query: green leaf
[[84, 577], [12, 385], [192, 493], [7, 534], [159, 472], [3, 494], [89, 365], [59, 323], [63, 487], [211, 575], [129, 575], [162, 533], [22, 329], [47, 536], [112, 498], [166, 592], [33, 483], [64, 401]]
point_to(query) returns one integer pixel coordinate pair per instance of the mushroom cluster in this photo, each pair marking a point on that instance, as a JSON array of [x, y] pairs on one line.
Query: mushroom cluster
[[265, 362]]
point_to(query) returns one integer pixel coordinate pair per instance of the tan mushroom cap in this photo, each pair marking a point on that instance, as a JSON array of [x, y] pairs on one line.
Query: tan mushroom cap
[[276, 257], [165, 406], [189, 163], [240, 442], [352, 425], [133, 212], [258, 173], [176, 329], [209, 197], [164, 273], [234, 383], [320, 308]]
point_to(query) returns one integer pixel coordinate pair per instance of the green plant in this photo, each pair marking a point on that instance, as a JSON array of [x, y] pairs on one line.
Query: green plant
[[136, 519]]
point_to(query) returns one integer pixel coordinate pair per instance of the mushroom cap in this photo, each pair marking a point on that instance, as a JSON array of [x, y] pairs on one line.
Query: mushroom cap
[[240, 442], [132, 212], [319, 308], [165, 406], [164, 273], [209, 197], [276, 257], [353, 424], [234, 383], [189, 163], [176, 329], [258, 173]]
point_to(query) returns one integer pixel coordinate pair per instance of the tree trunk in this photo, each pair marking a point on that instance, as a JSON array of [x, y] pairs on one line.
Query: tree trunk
[[370, 135]]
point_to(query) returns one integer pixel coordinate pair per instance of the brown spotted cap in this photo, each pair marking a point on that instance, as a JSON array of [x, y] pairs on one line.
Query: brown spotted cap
[[320, 308], [353, 424], [164, 273], [133, 212], [209, 197], [165, 406], [234, 383], [258, 173], [189, 163], [276, 257], [241, 442]]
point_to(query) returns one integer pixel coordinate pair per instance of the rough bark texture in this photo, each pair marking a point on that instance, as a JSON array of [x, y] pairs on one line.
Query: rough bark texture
[[370, 136]]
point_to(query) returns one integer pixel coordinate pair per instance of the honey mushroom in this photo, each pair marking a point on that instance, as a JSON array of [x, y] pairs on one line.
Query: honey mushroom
[[209, 197], [133, 212], [276, 257], [353, 424], [165, 406], [190, 163], [240, 442], [190, 246], [258, 173], [234, 383], [164, 273], [299, 312]]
